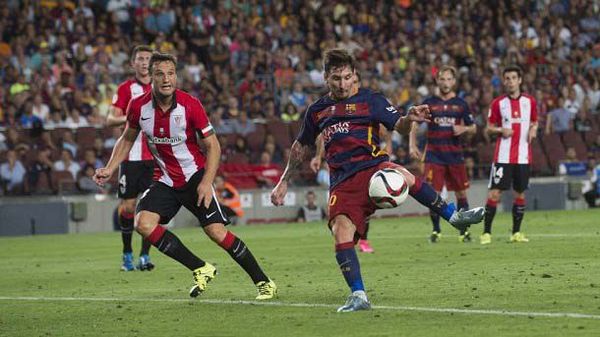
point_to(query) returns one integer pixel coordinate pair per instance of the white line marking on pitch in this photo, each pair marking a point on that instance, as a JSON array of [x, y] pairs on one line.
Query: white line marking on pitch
[[309, 305]]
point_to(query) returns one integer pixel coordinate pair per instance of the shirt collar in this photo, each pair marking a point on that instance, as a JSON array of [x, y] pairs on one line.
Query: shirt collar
[[173, 103]]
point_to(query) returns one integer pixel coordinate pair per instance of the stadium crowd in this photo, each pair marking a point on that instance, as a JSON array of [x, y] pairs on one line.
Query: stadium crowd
[[256, 64]]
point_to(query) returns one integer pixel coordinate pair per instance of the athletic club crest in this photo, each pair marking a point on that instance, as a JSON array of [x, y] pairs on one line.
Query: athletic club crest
[[177, 120], [161, 131]]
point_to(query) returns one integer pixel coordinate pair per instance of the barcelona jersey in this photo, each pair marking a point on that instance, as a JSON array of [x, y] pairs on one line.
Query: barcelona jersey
[[350, 131], [442, 146]]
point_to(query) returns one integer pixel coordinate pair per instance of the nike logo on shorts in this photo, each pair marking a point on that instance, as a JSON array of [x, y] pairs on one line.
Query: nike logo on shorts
[[211, 214]]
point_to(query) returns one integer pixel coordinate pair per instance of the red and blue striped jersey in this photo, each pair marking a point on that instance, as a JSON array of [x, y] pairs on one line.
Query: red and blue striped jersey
[[350, 131], [443, 147]]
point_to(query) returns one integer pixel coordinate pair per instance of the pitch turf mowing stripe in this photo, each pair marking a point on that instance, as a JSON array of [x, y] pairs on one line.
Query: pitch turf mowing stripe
[[311, 305]]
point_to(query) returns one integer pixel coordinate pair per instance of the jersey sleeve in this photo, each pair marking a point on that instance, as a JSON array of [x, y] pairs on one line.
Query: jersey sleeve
[[467, 115], [494, 114], [199, 120], [132, 112], [382, 111], [122, 97], [309, 130]]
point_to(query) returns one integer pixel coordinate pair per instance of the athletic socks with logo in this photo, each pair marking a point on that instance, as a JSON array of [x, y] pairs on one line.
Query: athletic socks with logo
[[238, 250], [126, 223], [429, 198], [170, 245], [346, 257], [518, 212], [490, 213]]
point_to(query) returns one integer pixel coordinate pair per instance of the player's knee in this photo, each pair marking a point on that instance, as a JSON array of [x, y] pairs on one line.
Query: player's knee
[[519, 194], [408, 177], [145, 223], [216, 232], [494, 195], [128, 206], [342, 228]]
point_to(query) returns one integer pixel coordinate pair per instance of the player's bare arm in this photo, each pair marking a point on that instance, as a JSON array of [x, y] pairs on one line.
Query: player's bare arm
[[120, 152], [532, 132], [413, 148], [315, 162], [464, 129], [213, 153], [418, 113], [116, 117], [298, 154], [497, 130]]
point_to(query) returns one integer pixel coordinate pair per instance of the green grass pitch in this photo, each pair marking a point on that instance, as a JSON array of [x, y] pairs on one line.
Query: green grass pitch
[[70, 285]]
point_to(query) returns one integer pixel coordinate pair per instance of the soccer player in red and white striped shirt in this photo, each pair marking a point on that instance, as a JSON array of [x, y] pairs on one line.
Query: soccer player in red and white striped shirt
[[174, 123], [513, 117], [135, 173]]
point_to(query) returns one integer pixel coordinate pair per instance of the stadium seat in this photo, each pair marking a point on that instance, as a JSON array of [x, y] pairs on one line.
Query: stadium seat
[[57, 134], [554, 150], [295, 129], [85, 136], [44, 185], [281, 132], [574, 139], [590, 137], [256, 139], [238, 158], [64, 182], [539, 165]]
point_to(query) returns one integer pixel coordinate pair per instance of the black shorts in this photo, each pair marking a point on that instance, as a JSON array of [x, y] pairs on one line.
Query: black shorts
[[166, 201], [503, 175], [134, 178]]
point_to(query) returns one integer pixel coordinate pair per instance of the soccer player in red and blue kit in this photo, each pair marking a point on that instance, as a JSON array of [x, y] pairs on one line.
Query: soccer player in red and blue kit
[[349, 120], [444, 160]]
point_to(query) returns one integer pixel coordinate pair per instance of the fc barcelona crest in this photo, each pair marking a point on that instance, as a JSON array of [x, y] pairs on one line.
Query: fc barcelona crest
[[350, 109]]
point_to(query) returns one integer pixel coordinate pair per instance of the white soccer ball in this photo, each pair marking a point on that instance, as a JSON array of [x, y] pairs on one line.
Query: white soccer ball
[[387, 188]]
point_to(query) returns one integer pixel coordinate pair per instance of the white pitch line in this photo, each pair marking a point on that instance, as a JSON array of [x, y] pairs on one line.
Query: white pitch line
[[496, 312]]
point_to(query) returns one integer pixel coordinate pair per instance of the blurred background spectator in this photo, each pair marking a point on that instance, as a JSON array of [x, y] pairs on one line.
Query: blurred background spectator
[[256, 64]]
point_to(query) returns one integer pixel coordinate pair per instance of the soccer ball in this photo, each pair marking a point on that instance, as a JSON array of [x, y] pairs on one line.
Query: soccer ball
[[387, 188]]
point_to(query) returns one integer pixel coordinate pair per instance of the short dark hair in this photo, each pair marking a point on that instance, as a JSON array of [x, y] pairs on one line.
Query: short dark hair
[[337, 58], [161, 57], [140, 48], [445, 68], [511, 68]]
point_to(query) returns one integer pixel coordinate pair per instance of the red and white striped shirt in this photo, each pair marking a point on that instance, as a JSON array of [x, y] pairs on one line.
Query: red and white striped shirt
[[127, 91], [171, 135], [516, 114]]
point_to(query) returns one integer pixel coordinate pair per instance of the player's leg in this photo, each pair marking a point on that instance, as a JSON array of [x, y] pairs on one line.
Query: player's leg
[[349, 211], [456, 180], [158, 205], [434, 177], [143, 180], [242, 255], [344, 234], [363, 242], [500, 180], [428, 197], [463, 203], [126, 215], [520, 184], [213, 221]]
